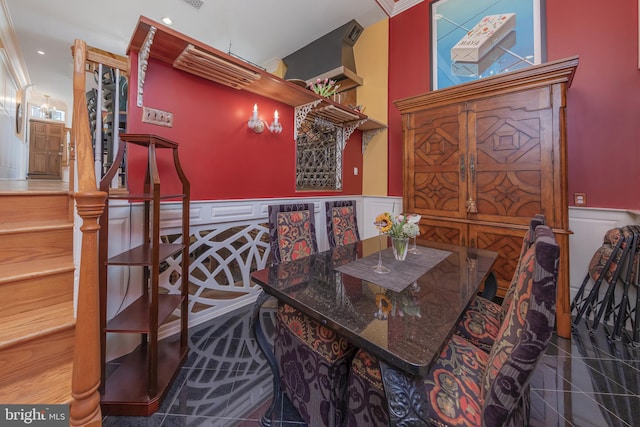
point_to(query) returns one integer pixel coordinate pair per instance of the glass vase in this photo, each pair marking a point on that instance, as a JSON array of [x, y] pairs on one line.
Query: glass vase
[[400, 247]]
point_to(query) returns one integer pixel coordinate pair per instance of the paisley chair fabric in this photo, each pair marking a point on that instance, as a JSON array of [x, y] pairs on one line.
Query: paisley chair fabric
[[466, 386], [312, 359], [482, 319], [292, 231], [342, 225]]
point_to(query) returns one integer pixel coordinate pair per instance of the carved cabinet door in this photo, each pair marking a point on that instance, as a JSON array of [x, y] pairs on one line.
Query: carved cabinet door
[[507, 242], [511, 156], [435, 153]]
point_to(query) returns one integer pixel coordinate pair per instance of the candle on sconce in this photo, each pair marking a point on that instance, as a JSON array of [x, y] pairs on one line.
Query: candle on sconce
[[275, 117], [255, 112]]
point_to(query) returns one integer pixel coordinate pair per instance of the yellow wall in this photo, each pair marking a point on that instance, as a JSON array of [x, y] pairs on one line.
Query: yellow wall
[[372, 59]]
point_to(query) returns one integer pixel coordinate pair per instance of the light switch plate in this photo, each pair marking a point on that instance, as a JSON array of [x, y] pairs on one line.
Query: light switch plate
[[157, 117]]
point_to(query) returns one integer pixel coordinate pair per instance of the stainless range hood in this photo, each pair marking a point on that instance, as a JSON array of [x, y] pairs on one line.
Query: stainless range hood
[[330, 56]]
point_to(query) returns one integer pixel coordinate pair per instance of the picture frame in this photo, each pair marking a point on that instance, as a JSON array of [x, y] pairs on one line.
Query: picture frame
[[473, 40], [19, 117]]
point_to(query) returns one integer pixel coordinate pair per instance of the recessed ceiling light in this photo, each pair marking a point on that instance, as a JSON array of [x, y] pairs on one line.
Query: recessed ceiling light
[[40, 52], [167, 20]]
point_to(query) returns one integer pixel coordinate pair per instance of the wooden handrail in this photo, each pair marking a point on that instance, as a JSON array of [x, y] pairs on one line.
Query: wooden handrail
[[85, 404]]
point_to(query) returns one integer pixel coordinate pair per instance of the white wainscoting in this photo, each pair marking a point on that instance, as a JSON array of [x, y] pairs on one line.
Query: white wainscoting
[[234, 234], [589, 226]]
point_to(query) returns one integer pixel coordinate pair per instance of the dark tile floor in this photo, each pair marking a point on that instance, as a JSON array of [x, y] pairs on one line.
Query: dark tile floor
[[582, 382]]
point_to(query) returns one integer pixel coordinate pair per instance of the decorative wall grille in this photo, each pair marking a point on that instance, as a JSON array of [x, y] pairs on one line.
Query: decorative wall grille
[[318, 156], [222, 259]]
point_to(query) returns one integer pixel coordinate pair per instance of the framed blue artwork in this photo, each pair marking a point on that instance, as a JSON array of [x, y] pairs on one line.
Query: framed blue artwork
[[480, 38]]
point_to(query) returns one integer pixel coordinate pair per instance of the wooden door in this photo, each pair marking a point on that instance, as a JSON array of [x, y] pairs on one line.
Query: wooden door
[[45, 150], [435, 152], [511, 156]]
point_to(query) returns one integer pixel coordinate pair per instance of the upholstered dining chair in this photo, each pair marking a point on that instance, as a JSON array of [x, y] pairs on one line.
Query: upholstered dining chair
[[481, 321], [465, 385], [313, 360], [342, 225]]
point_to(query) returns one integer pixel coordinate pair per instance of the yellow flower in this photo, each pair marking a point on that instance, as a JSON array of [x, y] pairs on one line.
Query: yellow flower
[[384, 219]]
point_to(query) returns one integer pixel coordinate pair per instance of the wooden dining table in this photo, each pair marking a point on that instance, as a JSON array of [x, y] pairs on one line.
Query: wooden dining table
[[403, 318]]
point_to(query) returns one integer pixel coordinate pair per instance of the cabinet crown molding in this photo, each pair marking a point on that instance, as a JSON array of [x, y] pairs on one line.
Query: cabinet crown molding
[[560, 71]]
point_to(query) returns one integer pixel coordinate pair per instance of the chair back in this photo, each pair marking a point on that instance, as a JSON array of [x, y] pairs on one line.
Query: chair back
[[292, 231], [525, 332], [538, 219], [342, 226]]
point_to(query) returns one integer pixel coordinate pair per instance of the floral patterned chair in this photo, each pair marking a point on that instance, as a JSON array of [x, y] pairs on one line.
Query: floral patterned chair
[[313, 360], [466, 386], [482, 319], [342, 225]]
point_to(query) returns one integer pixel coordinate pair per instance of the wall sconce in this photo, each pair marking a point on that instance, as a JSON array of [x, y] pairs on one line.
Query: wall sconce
[[275, 127], [257, 125]]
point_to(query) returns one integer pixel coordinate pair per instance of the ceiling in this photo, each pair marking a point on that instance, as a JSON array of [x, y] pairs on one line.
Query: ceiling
[[258, 31]]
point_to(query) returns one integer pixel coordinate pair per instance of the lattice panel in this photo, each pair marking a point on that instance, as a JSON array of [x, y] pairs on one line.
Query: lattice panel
[[222, 258], [318, 157]]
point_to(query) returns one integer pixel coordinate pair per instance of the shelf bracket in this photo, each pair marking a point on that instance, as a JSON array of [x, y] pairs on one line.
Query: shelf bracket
[[345, 132], [143, 59], [301, 113], [368, 135]]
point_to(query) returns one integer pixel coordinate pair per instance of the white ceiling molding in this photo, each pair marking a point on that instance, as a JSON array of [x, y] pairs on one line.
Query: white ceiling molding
[[9, 41], [393, 8]]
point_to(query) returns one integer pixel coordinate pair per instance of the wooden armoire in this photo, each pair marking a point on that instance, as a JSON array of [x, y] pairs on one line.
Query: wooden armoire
[[482, 158]]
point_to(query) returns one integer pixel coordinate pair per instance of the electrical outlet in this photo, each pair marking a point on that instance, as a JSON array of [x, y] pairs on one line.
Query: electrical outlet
[[157, 117], [580, 199]]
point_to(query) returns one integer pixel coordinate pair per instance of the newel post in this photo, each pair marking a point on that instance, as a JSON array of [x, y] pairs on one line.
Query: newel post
[[90, 203]]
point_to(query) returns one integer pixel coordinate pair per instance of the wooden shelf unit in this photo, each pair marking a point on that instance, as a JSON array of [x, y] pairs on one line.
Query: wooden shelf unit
[[140, 382], [197, 58]]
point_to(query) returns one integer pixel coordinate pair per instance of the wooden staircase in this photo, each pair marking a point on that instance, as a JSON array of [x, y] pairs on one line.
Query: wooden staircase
[[37, 323]]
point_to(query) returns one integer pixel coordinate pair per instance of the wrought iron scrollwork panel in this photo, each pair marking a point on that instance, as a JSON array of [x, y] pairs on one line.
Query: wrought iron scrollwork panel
[[406, 398]]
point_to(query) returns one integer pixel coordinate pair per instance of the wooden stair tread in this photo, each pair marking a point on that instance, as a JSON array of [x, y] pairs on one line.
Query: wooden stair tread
[[33, 324], [26, 226], [30, 269], [51, 386]]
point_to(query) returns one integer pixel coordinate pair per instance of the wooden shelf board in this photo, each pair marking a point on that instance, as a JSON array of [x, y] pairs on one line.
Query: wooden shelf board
[[141, 255], [126, 391], [145, 140], [135, 318], [168, 46], [371, 124]]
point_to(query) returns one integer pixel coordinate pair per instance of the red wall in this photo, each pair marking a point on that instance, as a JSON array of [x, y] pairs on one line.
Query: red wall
[[603, 101], [408, 76], [221, 156]]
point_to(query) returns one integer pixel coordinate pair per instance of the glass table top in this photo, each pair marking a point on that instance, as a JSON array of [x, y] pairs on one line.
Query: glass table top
[[406, 329]]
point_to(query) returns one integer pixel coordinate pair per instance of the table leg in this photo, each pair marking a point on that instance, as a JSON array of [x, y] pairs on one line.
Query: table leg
[[269, 354], [406, 399]]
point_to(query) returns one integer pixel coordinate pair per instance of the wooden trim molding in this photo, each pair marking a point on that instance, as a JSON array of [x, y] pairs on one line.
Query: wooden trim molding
[[392, 8]]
